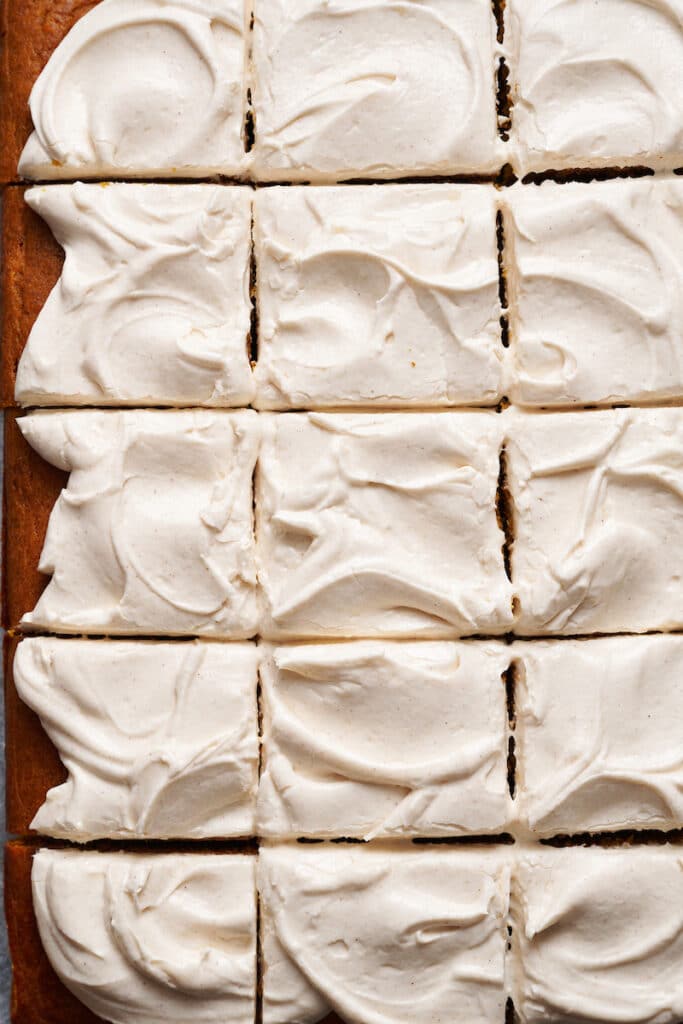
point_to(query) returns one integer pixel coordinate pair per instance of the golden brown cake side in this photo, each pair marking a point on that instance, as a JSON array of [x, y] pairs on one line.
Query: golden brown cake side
[[30, 267], [31, 488], [38, 996], [32, 763], [30, 31]]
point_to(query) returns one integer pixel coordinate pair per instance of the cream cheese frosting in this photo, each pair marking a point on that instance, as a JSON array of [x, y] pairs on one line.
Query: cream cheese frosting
[[142, 88], [153, 533], [380, 525], [377, 296], [151, 938], [599, 727], [598, 936], [376, 739], [373, 88], [595, 84], [160, 740], [595, 277], [598, 520], [152, 305], [381, 936]]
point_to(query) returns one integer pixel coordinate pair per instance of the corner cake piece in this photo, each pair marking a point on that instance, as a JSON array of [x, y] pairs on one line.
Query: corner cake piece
[[399, 936], [159, 938], [353, 88], [377, 296], [375, 739], [160, 740], [152, 306], [598, 520], [595, 84], [599, 744], [595, 275], [153, 533], [143, 88], [598, 936], [380, 525]]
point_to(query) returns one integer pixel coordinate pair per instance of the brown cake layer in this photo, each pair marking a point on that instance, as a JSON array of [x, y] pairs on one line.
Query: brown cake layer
[[30, 30], [31, 488], [38, 996], [32, 762], [31, 264]]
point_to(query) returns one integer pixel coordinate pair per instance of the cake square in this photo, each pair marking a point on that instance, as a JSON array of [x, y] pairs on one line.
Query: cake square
[[30, 267], [360, 89], [152, 304], [160, 740], [377, 296], [380, 525], [595, 84], [153, 533], [598, 520], [30, 34], [598, 935], [27, 779], [139, 88], [163, 938], [599, 734], [31, 486], [384, 739], [395, 935], [594, 284], [38, 995]]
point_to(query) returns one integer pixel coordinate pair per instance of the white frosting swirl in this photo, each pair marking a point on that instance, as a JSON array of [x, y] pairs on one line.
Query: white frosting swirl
[[598, 936], [143, 88], [596, 84], [598, 501], [599, 734], [151, 939], [374, 296], [374, 88], [384, 739], [595, 277], [153, 302], [159, 739], [383, 937], [153, 534], [381, 525]]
